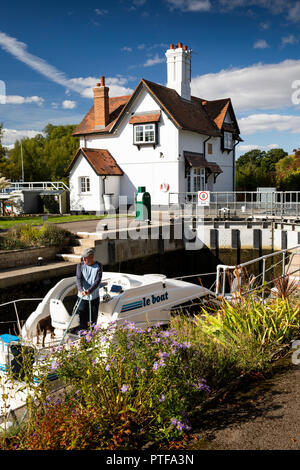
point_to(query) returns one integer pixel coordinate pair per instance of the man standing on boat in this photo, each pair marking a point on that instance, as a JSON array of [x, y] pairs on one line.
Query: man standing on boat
[[88, 280]]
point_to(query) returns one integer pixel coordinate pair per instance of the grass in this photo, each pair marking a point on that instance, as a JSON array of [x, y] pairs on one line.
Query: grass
[[8, 222]]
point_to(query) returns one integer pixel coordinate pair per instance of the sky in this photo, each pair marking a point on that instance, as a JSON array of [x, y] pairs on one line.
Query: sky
[[53, 53]]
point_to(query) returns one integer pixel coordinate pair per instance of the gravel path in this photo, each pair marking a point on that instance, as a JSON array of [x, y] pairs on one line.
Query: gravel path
[[264, 415]]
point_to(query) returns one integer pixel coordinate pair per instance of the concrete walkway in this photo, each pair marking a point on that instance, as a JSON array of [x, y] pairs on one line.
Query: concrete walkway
[[25, 274]]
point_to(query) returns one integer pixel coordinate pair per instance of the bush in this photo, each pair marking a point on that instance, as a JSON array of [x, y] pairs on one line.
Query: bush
[[140, 386], [25, 236], [127, 386]]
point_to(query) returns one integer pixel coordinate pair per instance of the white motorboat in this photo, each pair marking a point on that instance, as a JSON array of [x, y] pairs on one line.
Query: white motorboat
[[143, 299]]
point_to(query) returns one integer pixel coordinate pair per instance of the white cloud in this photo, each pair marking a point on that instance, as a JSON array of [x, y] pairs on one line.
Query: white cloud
[[11, 135], [126, 49], [68, 104], [264, 26], [294, 13], [261, 44], [19, 51], [269, 122], [81, 85], [190, 5], [100, 12], [291, 39], [247, 148], [16, 99], [154, 61], [117, 85], [256, 87]]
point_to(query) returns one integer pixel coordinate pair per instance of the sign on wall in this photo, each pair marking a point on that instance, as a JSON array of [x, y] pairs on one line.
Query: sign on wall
[[203, 198]]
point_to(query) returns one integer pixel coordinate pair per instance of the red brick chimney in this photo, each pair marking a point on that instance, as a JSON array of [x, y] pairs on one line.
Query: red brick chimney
[[101, 106]]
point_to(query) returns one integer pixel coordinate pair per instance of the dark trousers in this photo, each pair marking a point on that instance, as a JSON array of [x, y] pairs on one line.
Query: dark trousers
[[84, 312]]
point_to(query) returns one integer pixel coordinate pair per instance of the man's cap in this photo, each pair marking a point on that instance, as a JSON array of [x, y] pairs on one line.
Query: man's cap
[[88, 252]]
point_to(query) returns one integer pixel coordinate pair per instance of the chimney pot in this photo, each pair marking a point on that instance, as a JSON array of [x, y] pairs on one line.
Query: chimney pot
[[102, 79], [171, 46], [179, 45], [185, 48], [97, 84]]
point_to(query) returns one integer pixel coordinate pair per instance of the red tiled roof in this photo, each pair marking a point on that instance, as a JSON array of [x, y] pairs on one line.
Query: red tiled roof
[[101, 161], [146, 117], [197, 115], [87, 125]]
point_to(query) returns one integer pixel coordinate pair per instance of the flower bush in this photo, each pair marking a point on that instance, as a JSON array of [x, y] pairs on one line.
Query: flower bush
[[126, 386]]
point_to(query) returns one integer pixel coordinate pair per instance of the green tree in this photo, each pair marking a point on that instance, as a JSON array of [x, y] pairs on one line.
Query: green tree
[[45, 157], [2, 149], [257, 168], [288, 173]]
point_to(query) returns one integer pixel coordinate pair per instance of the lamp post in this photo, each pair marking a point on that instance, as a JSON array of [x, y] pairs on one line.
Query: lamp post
[[22, 162]]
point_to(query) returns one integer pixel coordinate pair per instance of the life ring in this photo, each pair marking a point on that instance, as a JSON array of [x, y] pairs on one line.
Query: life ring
[[164, 187]]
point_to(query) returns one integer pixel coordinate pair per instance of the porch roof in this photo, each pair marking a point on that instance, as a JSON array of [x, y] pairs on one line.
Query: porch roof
[[100, 160], [197, 160]]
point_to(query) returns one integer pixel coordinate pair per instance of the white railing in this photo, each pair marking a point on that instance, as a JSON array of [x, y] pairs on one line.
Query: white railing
[[267, 267], [36, 186], [277, 203]]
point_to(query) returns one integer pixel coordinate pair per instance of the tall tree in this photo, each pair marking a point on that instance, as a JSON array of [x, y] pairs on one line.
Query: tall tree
[[45, 157], [2, 149]]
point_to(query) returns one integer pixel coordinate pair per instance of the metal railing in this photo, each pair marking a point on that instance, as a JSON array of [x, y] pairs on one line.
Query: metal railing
[[36, 186], [273, 203], [268, 267]]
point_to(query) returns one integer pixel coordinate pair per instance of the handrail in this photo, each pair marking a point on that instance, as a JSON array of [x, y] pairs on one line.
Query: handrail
[[263, 258], [18, 300], [38, 185]]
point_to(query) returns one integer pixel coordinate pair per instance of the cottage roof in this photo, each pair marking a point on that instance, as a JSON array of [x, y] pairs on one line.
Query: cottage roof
[[100, 160], [196, 115]]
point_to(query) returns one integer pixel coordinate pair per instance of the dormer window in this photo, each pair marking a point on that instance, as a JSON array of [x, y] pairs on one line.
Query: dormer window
[[228, 143], [144, 134]]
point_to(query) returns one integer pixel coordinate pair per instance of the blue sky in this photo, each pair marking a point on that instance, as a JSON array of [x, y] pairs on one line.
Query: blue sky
[[53, 53]]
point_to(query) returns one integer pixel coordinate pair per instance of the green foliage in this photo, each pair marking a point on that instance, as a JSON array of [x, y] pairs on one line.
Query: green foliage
[[46, 157], [126, 386], [257, 169], [2, 149], [288, 173], [25, 236]]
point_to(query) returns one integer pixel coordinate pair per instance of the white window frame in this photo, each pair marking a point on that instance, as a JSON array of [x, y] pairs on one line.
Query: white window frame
[[196, 180], [228, 141], [144, 129], [84, 184]]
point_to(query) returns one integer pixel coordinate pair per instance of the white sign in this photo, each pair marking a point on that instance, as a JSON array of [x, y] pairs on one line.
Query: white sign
[[203, 198]]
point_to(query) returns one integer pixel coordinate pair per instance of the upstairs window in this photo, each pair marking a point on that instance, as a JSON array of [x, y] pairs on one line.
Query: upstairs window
[[84, 184], [228, 140], [209, 149], [145, 134]]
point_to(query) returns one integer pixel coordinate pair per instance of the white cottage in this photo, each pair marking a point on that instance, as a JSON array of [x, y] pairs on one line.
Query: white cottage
[[159, 137]]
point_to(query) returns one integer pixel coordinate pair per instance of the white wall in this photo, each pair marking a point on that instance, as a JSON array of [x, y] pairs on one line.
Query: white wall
[[78, 200], [144, 167], [193, 142], [150, 167]]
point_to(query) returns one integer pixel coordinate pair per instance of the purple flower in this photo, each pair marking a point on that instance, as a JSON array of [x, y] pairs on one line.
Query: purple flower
[[54, 364], [124, 388], [107, 367], [162, 398], [180, 426]]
